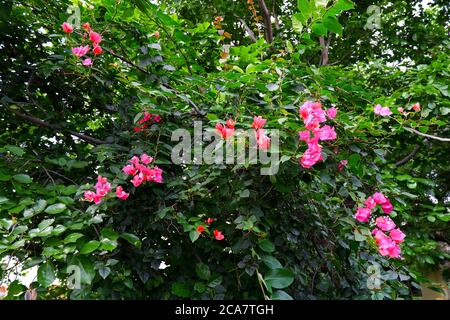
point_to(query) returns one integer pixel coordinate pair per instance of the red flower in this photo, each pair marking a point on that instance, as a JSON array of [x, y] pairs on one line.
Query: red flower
[[86, 26], [209, 220], [67, 27], [230, 123], [200, 229], [97, 50], [218, 235]]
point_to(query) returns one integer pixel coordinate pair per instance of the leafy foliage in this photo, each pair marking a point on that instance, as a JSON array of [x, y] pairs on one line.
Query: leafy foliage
[[287, 236]]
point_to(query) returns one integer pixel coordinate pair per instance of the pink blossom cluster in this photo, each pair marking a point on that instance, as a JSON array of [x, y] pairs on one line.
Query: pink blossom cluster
[[262, 140], [382, 111], [226, 130], [141, 172], [388, 245], [313, 115], [147, 117], [82, 50], [102, 187]]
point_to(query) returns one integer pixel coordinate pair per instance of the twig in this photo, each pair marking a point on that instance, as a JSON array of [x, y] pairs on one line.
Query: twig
[[43, 123], [267, 21], [408, 157], [427, 135], [250, 32]]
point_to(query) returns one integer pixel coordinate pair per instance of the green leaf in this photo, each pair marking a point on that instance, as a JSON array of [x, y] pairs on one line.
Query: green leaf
[[279, 278], [73, 237], [280, 295], [89, 247], [181, 289], [39, 206], [22, 178], [55, 208], [271, 262], [304, 7], [46, 274], [202, 271], [108, 244], [194, 235], [319, 29], [333, 24], [267, 245], [15, 150], [131, 238], [85, 268], [339, 7]]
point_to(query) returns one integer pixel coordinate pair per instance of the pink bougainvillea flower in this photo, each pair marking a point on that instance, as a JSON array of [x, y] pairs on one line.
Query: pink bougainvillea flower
[[146, 159], [209, 220], [326, 133], [137, 180], [394, 250], [89, 195], [157, 118], [95, 37], [342, 164], [218, 235], [379, 198], [137, 129], [121, 194], [262, 140], [304, 135], [102, 180], [331, 112], [67, 27], [312, 155], [200, 229], [80, 51], [370, 203], [155, 175], [400, 109], [97, 198], [230, 123], [397, 235], [258, 122], [387, 207], [87, 62], [97, 50], [86, 26], [129, 169], [135, 161], [382, 111], [416, 106], [385, 223], [362, 214], [225, 132]]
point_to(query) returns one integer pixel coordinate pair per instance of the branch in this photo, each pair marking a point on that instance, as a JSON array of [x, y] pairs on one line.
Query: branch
[[43, 123], [427, 135], [408, 157], [247, 28], [275, 16], [267, 21], [127, 61], [324, 57]]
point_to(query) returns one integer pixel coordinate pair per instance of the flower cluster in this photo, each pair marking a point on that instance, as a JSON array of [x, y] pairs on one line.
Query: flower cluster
[[82, 50], [141, 172], [313, 115], [382, 111], [102, 187], [262, 140], [226, 130], [217, 234], [138, 168], [147, 117], [388, 245]]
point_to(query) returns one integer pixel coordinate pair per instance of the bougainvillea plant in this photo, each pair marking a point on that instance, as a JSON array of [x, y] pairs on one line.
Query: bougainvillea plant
[[105, 192]]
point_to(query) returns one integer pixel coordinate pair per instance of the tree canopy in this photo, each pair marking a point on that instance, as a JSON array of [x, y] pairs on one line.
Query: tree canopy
[[350, 98]]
